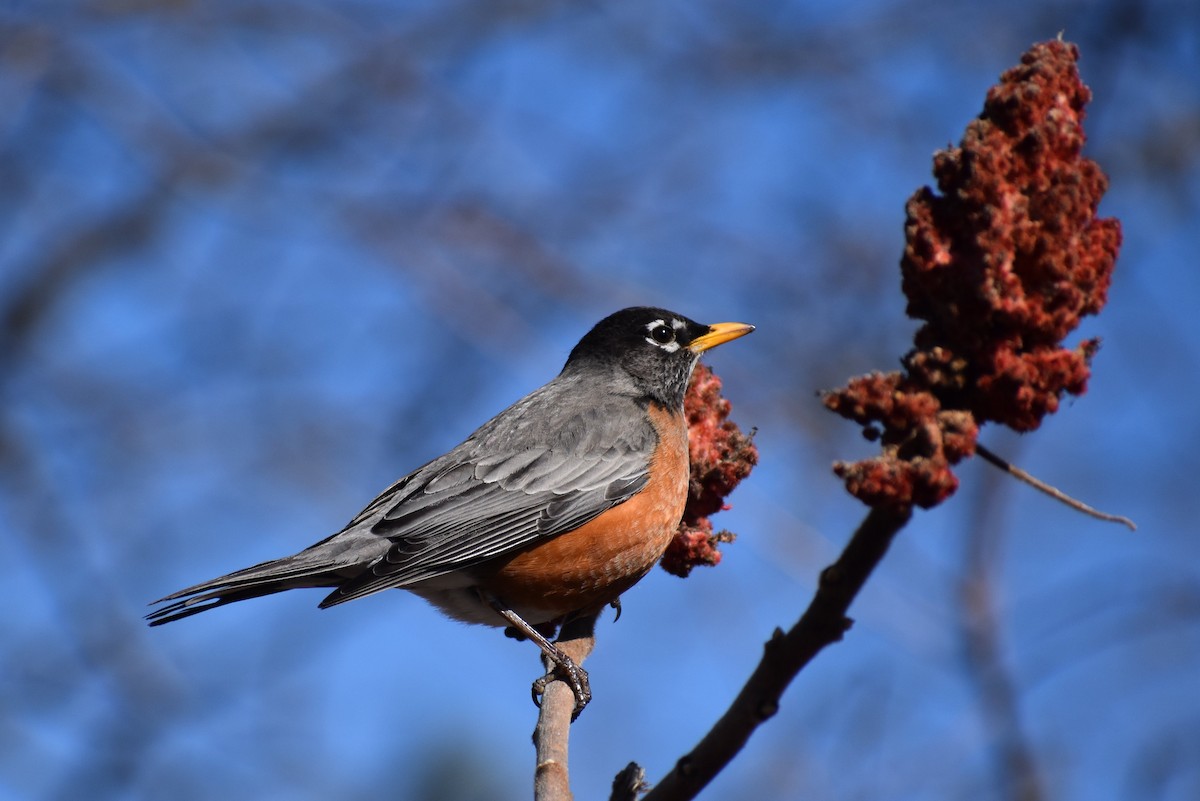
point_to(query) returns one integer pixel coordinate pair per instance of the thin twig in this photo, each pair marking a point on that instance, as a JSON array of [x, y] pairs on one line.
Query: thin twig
[[785, 655], [551, 779], [1053, 492]]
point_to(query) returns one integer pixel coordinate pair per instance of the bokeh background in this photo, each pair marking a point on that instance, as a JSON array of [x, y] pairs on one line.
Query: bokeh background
[[258, 259]]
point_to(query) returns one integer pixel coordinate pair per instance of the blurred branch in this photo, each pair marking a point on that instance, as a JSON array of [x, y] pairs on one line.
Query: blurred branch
[[124, 229], [1016, 768], [182, 160], [90, 618]]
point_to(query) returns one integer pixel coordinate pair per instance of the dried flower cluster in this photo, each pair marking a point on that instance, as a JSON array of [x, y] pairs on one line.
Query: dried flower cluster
[[1001, 267], [721, 457]]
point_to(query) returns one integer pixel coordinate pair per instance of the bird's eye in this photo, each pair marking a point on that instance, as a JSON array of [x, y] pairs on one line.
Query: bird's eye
[[662, 334]]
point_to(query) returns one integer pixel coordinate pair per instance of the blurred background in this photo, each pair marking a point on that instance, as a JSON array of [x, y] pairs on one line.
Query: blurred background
[[259, 259]]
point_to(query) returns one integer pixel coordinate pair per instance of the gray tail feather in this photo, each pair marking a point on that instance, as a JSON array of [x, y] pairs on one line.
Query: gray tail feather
[[262, 579]]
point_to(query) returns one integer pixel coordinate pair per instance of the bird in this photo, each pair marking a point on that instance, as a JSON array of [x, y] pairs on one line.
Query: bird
[[547, 512]]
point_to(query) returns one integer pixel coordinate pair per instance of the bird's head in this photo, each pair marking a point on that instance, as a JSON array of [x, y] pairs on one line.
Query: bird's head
[[657, 349]]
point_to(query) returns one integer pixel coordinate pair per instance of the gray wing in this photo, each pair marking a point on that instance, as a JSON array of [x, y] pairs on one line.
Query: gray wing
[[505, 488], [544, 466]]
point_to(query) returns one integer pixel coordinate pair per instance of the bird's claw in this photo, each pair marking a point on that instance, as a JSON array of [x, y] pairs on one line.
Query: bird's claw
[[616, 604], [575, 677]]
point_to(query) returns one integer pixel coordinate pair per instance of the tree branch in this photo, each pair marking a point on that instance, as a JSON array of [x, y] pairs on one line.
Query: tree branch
[[785, 655], [551, 780], [1052, 491]]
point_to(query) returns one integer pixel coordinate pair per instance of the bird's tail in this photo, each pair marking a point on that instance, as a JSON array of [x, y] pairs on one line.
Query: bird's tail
[[326, 564]]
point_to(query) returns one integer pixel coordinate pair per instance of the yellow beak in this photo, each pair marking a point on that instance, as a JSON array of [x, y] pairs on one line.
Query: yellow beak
[[719, 333]]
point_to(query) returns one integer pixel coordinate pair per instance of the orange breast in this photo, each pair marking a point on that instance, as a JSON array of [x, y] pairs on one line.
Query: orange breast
[[591, 566]]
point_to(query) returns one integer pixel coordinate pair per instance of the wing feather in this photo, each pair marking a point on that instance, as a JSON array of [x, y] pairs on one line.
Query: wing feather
[[490, 496]]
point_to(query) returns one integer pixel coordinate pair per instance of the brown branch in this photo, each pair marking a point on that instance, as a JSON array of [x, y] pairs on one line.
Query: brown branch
[[551, 736], [629, 783], [1050, 490], [785, 655]]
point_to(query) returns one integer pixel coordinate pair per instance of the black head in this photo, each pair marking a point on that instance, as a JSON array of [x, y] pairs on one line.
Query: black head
[[657, 349]]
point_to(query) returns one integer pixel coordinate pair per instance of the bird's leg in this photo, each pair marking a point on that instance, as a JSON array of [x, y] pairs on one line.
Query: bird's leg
[[547, 630], [563, 666]]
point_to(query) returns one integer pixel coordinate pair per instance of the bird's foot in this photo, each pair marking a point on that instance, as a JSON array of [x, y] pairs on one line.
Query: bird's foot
[[566, 670]]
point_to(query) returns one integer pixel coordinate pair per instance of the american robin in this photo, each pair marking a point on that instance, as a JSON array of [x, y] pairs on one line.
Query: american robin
[[550, 510]]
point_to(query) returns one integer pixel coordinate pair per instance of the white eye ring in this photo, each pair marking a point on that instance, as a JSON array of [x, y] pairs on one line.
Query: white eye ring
[[662, 335]]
